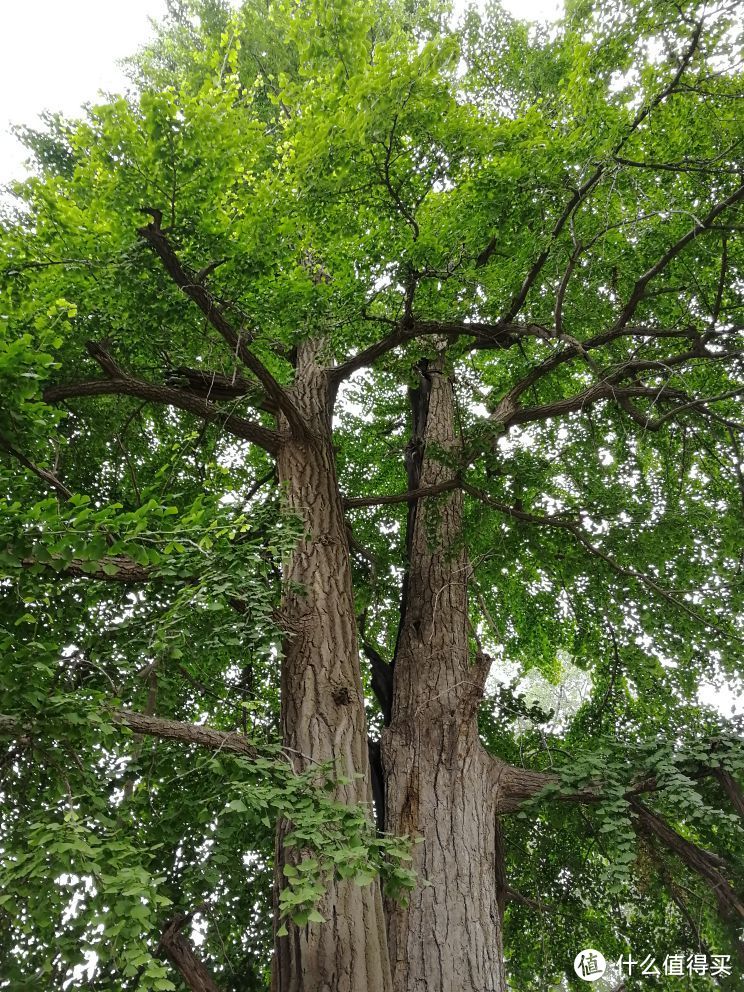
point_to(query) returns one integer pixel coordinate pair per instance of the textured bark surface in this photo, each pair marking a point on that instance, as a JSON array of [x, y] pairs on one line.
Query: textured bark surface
[[177, 949], [322, 703], [439, 780]]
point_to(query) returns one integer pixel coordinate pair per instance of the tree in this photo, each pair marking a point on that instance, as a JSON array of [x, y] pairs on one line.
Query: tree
[[351, 363]]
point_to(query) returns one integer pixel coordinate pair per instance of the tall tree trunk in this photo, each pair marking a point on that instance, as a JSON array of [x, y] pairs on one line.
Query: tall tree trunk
[[322, 702], [438, 778]]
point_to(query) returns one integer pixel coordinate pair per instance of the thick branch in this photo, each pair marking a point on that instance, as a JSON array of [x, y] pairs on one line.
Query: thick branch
[[703, 863], [177, 949], [218, 387], [196, 291], [113, 568], [515, 786], [484, 335], [122, 384], [355, 502], [154, 726]]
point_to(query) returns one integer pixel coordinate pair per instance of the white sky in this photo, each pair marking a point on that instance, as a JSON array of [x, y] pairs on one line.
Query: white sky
[[57, 54]]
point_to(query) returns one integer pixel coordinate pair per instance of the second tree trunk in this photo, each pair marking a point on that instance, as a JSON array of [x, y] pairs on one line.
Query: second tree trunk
[[438, 779]]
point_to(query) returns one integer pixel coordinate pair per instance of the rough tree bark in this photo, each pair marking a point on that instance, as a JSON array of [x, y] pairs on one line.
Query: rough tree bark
[[176, 948], [322, 702], [439, 779]]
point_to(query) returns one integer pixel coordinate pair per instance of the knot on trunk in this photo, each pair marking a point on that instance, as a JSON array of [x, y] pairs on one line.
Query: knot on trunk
[[342, 696]]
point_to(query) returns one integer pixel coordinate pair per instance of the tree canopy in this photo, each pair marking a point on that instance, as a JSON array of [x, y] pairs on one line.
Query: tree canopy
[[549, 220]]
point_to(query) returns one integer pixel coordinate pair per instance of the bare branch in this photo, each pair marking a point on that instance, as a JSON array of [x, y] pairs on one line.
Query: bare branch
[[484, 335]]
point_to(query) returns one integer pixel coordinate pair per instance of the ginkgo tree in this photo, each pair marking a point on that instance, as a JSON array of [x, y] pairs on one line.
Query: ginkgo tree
[[355, 364]]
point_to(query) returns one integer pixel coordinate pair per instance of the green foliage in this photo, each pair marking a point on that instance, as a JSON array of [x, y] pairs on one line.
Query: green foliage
[[330, 156]]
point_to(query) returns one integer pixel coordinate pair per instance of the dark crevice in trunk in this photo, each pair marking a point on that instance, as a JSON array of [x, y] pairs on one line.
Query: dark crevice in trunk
[[502, 887], [413, 458], [382, 680], [378, 782]]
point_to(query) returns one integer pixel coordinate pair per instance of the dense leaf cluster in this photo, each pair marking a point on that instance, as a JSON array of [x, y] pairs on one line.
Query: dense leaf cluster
[[496, 195]]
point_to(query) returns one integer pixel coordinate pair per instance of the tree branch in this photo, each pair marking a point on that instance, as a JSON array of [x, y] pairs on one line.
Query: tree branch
[[675, 893], [704, 864], [508, 413], [513, 896], [196, 291], [571, 525], [355, 502], [577, 348], [586, 188], [217, 387], [122, 384], [154, 726], [113, 568], [485, 336], [700, 227], [41, 473], [177, 949], [732, 789]]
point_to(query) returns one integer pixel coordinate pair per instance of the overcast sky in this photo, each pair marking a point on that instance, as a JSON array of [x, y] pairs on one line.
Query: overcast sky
[[57, 54]]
